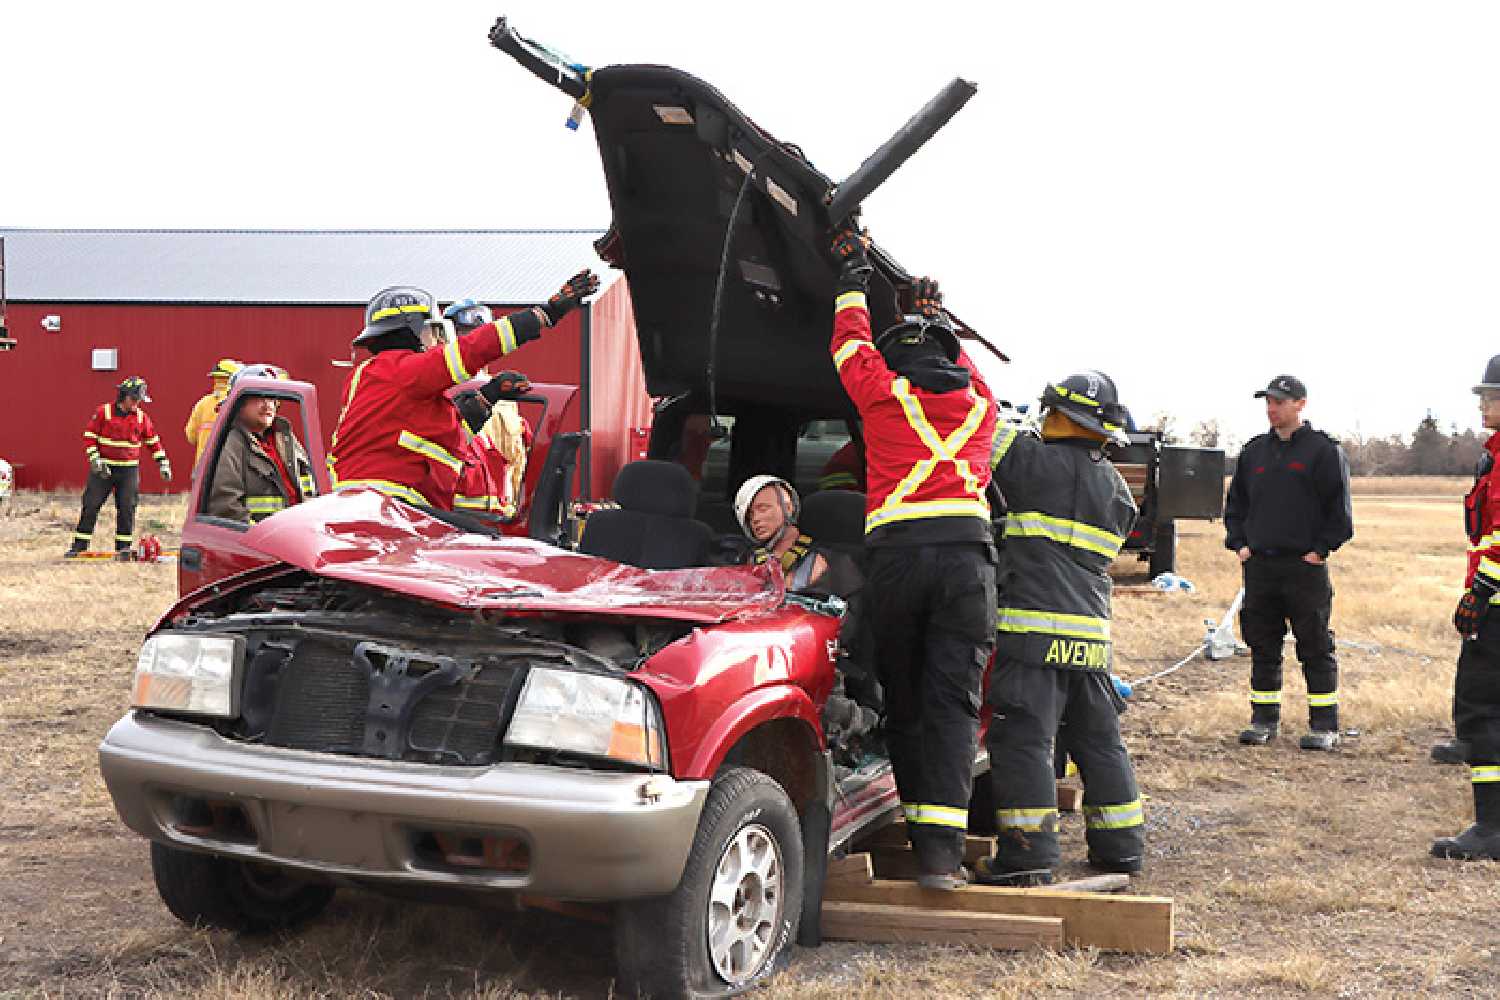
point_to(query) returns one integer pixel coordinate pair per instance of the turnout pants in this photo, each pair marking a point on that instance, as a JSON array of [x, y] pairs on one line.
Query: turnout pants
[[1281, 590], [1028, 704], [1476, 716], [125, 484], [932, 618]]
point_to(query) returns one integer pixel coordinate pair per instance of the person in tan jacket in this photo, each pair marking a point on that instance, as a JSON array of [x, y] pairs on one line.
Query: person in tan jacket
[[262, 468]]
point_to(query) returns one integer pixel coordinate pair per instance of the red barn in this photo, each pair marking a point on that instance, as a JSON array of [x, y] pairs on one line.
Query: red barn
[[89, 307]]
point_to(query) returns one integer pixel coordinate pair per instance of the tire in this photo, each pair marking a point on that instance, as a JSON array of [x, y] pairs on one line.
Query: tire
[[1164, 549], [662, 945], [204, 890]]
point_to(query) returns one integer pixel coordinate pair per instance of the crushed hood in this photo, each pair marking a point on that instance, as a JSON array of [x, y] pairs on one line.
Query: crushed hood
[[361, 536]]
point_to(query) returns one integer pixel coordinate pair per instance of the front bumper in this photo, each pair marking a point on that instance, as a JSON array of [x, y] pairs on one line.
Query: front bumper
[[591, 835]]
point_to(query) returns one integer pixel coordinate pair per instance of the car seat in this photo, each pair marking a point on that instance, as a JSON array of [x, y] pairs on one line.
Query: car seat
[[654, 527]]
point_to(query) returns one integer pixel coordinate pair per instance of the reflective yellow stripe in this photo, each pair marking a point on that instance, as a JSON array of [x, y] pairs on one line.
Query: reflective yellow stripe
[[264, 505], [1027, 819], [1075, 397], [432, 450], [896, 508], [333, 443], [396, 311], [1052, 623], [1005, 436], [922, 814], [91, 452], [1033, 524], [837, 480], [309, 485], [1119, 817], [1485, 775], [507, 335], [78, 535], [123, 538], [455, 358], [123, 464], [390, 489], [847, 351], [850, 300], [119, 444], [476, 503], [90, 434], [1322, 700], [1488, 541], [1265, 697]]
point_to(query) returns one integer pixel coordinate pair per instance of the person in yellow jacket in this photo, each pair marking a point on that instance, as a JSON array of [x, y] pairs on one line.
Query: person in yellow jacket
[[201, 420]]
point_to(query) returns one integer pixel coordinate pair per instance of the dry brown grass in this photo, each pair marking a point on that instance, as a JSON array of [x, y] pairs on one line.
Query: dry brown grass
[[1294, 874]]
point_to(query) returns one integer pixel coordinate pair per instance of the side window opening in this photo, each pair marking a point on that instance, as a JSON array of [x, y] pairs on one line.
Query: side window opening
[[242, 485]]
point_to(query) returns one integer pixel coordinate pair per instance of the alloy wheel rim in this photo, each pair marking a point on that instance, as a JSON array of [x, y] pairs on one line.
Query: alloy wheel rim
[[745, 903]]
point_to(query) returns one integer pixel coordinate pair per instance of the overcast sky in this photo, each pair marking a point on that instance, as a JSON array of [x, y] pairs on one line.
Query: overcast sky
[[1192, 196]]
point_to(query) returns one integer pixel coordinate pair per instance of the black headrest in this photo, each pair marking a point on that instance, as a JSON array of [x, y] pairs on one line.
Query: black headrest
[[652, 487], [834, 517]]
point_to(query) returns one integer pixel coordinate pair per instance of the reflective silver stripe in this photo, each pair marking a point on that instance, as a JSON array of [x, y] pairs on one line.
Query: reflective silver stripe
[[1053, 623], [309, 485], [81, 535], [431, 449], [896, 507], [1489, 568], [923, 814], [1485, 774], [850, 300], [1005, 436], [1118, 817], [125, 464], [507, 335], [1265, 697], [1034, 524], [119, 444], [475, 503], [1322, 700], [1026, 819], [927, 508], [454, 356], [1487, 542]]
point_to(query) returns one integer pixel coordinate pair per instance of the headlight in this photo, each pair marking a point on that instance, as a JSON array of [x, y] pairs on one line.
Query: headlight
[[588, 714], [194, 674]]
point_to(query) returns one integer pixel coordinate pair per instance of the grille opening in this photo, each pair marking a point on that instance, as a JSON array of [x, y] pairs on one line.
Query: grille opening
[[211, 820], [447, 850]]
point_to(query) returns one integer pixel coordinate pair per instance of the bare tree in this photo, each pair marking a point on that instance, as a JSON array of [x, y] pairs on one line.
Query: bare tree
[[1206, 434]]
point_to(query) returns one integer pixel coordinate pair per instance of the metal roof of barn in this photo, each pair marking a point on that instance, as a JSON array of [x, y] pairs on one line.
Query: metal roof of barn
[[289, 266]]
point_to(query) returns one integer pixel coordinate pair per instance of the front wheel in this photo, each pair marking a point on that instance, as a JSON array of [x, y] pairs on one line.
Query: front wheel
[[729, 923], [205, 890]]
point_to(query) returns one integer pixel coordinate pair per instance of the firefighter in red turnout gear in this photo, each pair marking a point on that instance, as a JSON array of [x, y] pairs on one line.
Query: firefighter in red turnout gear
[[929, 424], [398, 432], [1476, 689], [112, 443]]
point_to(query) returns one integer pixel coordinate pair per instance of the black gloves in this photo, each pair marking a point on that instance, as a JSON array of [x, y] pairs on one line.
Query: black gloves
[[848, 247], [926, 298], [100, 467], [570, 296], [165, 468], [1473, 607], [474, 405]]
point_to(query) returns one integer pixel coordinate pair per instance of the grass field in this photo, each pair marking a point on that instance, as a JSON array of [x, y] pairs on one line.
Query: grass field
[[1294, 874]]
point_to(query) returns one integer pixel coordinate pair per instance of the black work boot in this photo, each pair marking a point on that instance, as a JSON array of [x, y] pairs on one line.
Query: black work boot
[[1259, 733], [1120, 866], [987, 871], [1320, 739], [944, 881], [1477, 843], [1450, 752]]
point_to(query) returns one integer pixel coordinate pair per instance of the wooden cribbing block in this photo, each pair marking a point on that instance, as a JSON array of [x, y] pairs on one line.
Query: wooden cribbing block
[[1092, 883], [1112, 923], [874, 922], [1069, 798], [855, 868], [899, 862]]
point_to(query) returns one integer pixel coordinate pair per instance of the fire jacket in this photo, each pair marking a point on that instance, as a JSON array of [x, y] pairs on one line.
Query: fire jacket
[[845, 470], [201, 421], [118, 437], [926, 453], [1482, 518], [398, 431], [249, 484], [484, 485], [1289, 497], [1070, 512]]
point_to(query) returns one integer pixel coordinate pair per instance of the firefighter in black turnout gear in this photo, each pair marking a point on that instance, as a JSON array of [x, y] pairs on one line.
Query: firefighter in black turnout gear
[[1070, 512], [1288, 509], [1476, 690], [929, 589]]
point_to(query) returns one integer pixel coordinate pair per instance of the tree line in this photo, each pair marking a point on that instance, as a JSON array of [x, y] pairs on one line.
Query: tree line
[[1429, 450]]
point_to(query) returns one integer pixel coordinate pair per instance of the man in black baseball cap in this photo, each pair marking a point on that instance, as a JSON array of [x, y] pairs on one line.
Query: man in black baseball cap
[[1288, 509]]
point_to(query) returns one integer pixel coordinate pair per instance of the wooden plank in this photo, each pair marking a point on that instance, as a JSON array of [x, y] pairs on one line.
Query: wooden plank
[[1069, 798], [1113, 923], [856, 868], [1092, 883], [873, 922]]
